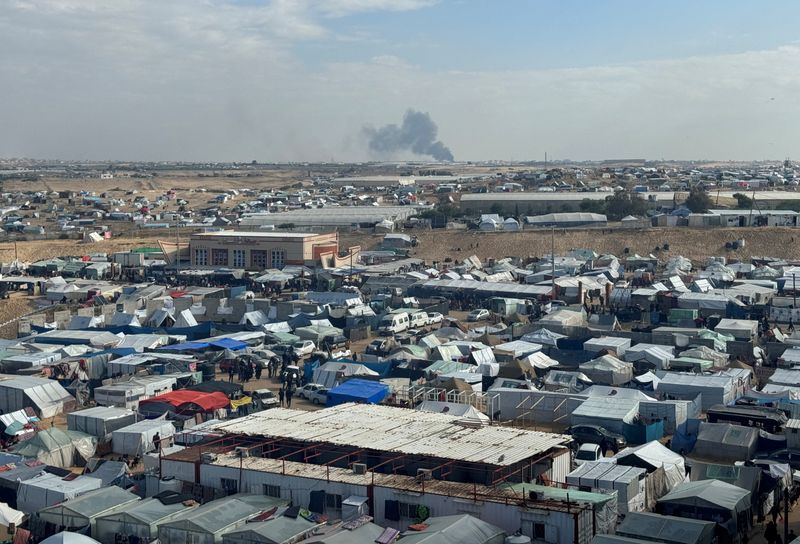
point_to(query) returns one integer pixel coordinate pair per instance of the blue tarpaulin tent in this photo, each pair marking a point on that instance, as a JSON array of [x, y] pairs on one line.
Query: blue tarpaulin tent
[[228, 343], [186, 346], [357, 390]]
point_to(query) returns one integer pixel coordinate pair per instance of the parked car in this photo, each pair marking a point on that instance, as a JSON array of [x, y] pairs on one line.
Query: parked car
[[333, 341], [320, 396], [435, 318], [479, 314], [587, 453], [341, 354], [280, 349], [594, 434], [264, 399], [304, 347], [788, 457], [381, 347], [308, 388]]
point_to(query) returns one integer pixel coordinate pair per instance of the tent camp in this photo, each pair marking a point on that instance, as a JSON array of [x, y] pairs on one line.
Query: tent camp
[[137, 439], [184, 403], [142, 519], [610, 412], [608, 370], [668, 529], [46, 397], [652, 456], [740, 329], [566, 381], [601, 476], [80, 512], [459, 529], [48, 489], [464, 411], [358, 390], [100, 421], [717, 389], [207, 523], [726, 442], [543, 336], [279, 530], [58, 448], [710, 500], [334, 372]]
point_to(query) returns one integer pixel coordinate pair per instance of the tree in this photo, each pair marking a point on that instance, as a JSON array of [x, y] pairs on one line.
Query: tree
[[743, 202], [622, 203], [698, 201]]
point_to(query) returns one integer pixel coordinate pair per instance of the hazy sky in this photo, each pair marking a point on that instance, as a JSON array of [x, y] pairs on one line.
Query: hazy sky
[[298, 80]]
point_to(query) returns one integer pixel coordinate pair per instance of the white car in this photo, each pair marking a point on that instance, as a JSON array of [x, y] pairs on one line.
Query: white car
[[341, 354], [435, 318], [307, 389], [320, 396], [304, 347], [587, 453], [480, 314]]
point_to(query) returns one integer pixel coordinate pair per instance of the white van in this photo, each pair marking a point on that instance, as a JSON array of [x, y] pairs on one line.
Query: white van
[[418, 320], [393, 323]]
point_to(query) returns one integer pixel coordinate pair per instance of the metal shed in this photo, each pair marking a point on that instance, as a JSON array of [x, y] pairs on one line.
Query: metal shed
[[82, 511]]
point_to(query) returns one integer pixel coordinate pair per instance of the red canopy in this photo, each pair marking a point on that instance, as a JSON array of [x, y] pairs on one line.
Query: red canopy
[[206, 401]]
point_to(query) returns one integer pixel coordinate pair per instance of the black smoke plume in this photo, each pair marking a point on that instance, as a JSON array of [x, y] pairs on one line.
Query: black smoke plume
[[417, 133]]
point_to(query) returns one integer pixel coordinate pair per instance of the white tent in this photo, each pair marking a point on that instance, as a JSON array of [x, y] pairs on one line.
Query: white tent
[[58, 448], [334, 372], [741, 329], [67, 537], [608, 370], [100, 421], [137, 439], [49, 489], [652, 456], [543, 336], [9, 515], [45, 396], [609, 412]]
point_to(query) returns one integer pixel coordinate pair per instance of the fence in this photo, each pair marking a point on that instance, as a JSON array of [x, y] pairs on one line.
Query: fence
[[413, 395]]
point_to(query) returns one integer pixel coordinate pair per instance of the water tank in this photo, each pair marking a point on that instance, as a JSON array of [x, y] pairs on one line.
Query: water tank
[[518, 539]]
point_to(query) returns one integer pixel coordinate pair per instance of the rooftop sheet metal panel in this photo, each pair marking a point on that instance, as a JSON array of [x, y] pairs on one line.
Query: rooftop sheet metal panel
[[400, 430]]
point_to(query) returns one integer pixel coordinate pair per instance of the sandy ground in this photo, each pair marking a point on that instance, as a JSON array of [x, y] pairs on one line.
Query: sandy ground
[[693, 243]]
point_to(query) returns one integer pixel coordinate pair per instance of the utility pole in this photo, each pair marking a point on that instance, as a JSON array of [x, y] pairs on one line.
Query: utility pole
[[553, 262]]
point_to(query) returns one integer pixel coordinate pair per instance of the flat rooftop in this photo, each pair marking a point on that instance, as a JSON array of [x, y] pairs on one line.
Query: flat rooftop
[[400, 430], [254, 234]]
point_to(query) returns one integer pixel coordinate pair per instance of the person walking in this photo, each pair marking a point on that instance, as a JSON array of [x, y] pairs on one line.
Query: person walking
[[231, 372], [771, 532], [289, 397], [280, 396], [157, 442], [259, 370]]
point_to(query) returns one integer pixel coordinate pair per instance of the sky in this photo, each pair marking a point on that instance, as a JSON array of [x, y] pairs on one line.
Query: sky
[[311, 80]]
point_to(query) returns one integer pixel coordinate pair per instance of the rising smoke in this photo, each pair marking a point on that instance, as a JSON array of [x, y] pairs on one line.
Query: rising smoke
[[417, 133]]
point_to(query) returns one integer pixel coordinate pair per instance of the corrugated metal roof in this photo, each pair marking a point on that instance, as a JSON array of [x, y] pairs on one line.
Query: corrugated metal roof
[[399, 430]]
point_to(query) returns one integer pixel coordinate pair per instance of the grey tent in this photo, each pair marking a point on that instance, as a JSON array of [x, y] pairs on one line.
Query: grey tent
[[82, 511], [726, 442], [140, 520], [58, 448], [608, 370], [712, 500], [279, 530], [669, 529], [207, 524], [459, 529]]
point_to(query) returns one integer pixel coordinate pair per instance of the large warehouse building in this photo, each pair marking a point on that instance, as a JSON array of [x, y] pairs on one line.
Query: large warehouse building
[[330, 217], [546, 202], [259, 250]]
